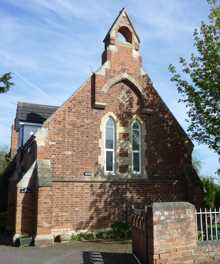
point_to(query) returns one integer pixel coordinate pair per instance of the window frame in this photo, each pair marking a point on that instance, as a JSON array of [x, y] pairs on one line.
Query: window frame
[[22, 125], [140, 147], [113, 150]]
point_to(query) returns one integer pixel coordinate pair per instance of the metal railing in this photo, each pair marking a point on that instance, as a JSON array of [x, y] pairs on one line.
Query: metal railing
[[208, 224]]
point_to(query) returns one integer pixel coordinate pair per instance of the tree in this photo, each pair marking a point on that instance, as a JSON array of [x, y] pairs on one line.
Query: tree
[[4, 160], [210, 190], [217, 197], [215, 12], [5, 82], [199, 84]]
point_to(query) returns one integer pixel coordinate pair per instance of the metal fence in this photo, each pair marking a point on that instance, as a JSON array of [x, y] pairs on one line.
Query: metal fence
[[208, 224]]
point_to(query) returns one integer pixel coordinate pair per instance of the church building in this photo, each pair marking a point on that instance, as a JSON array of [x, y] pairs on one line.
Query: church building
[[112, 145]]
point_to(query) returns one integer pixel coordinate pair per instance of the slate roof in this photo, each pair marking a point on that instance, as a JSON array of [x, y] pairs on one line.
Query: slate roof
[[33, 113]]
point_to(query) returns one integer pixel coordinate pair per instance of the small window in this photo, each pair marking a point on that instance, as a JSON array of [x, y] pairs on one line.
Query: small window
[[110, 145], [136, 147], [26, 131]]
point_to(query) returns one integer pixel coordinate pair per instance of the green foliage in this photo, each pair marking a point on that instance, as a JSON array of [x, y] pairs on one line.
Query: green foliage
[[215, 12], [106, 235], [210, 191], [4, 160], [5, 82], [217, 197], [202, 236], [119, 231], [84, 236], [199, 82]]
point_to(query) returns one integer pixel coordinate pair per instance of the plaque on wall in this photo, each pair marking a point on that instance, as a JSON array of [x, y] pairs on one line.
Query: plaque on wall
[[87, 173], [25, 190]]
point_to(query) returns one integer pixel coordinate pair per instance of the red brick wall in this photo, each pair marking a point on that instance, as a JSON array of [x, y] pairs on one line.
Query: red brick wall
[[12, 203], [26, 156], [94, 205], [44, 211], [74, 134], [25, 213], [22, 205]]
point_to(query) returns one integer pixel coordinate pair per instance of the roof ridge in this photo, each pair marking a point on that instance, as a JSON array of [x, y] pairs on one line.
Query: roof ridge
[[36, 104]]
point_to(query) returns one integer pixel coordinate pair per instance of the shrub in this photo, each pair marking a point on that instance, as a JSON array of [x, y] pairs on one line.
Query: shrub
[[83, 236], [119, 231]]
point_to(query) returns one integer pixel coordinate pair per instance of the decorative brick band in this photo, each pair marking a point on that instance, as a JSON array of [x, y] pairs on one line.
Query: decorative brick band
[[113, 179]]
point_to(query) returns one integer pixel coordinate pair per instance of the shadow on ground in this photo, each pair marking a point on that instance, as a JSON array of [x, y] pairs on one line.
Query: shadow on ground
[[6, 240], [74, 252], [93, 257]]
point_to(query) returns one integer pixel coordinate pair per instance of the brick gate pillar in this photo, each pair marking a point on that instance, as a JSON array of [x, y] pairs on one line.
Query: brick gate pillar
[[172, 233]]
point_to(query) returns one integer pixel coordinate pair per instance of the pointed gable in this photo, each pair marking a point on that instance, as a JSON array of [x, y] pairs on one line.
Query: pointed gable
[[123, 25]]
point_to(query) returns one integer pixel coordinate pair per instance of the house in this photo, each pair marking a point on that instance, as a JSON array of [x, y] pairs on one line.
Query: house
[[29, 117], [113, 144]]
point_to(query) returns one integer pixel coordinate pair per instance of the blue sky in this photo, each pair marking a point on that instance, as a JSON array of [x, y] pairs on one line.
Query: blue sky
[[52, 46]]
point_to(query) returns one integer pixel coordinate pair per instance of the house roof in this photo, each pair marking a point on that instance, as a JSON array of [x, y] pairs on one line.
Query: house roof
[[33, 113]]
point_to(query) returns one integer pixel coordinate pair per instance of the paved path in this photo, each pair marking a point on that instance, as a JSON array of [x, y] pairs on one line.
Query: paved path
[[71, 253]]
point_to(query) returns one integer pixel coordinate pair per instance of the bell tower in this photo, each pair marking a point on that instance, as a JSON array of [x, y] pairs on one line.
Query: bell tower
[[121, 39], [121, 61]]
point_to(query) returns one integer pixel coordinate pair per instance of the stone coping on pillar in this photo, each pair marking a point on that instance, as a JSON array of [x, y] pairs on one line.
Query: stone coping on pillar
[[172, 205]]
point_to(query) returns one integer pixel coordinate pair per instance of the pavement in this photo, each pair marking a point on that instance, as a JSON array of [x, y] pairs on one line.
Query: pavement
[[70, 253], [74, 252]]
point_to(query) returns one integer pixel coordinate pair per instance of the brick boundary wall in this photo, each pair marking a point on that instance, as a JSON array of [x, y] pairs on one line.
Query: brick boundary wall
[[168, 234]]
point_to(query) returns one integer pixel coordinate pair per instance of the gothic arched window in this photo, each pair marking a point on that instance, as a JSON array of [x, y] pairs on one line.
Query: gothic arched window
[[110, 145], [136, 147]]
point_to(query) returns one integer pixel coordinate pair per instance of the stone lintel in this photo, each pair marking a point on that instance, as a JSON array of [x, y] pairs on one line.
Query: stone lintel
[[99, 105]]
